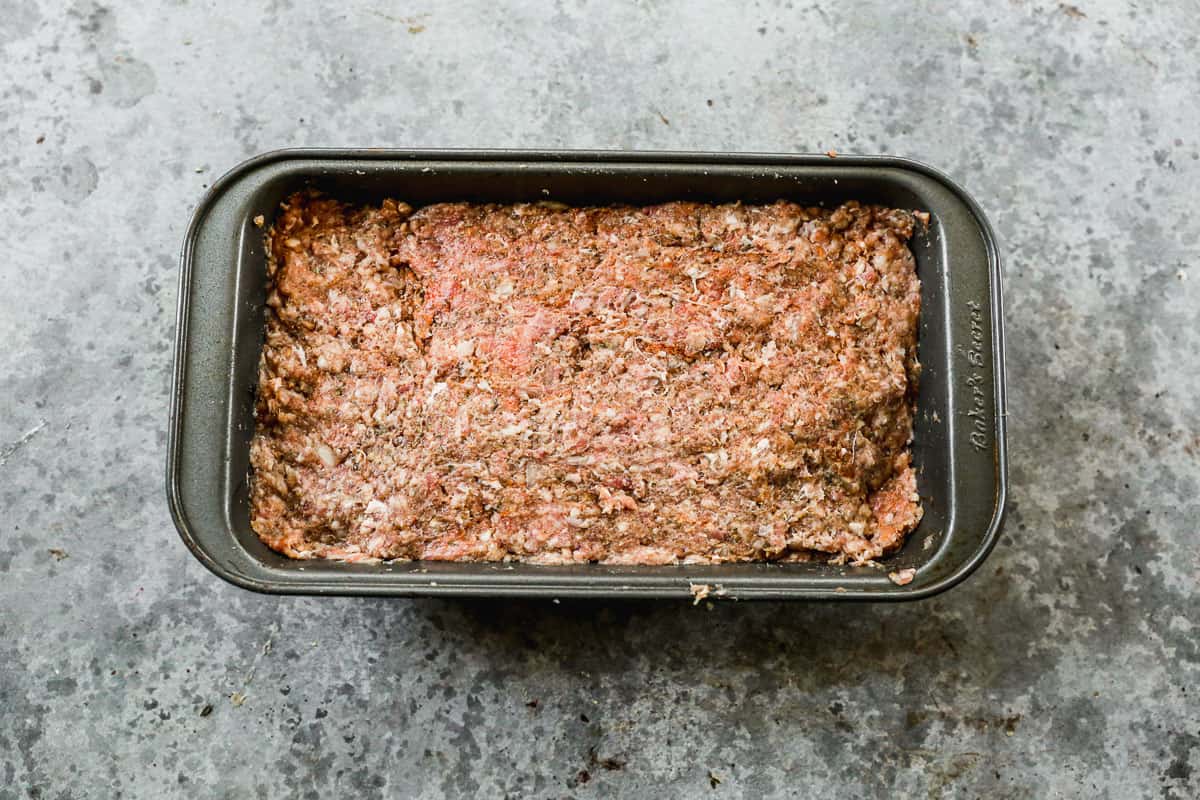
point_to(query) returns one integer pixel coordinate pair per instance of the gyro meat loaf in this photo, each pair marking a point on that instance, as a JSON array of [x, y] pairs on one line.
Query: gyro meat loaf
[[680, 383]]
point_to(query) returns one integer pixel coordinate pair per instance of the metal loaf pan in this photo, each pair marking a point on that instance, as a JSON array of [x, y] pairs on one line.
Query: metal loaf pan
[[959, 439]]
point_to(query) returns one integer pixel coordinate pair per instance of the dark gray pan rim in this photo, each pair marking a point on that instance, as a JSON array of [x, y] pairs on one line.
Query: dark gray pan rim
[[498, 580]]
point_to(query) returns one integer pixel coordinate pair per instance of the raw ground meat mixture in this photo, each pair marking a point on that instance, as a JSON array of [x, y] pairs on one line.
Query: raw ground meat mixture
[[681, 383]]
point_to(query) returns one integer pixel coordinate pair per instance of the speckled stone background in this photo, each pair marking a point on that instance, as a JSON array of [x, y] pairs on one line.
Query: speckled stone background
[[1067, 667]]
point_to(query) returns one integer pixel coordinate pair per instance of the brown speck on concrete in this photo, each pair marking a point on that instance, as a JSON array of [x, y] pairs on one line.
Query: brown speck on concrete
[[58, 553], [831, 153], [610, 763], [1072, 11], [413, 23], [714, 780], [208, 709]]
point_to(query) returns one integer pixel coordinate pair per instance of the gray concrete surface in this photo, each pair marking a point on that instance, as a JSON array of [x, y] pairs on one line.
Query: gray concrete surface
[[1066, 668]]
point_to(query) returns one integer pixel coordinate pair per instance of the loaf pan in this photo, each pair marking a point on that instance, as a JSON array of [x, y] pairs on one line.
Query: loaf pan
[[959, 436]]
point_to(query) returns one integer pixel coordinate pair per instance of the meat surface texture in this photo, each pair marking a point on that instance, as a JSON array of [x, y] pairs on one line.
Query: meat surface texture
[[680, 383]]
